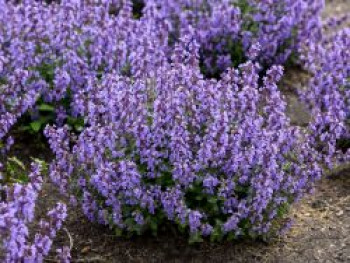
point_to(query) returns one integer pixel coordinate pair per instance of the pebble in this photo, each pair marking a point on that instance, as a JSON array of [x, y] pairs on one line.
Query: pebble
[[85, 250], [340, 213]]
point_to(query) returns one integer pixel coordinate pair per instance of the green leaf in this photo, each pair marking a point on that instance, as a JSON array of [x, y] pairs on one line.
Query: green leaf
[[282, 209], [181, 227], [118, 232], [76, 123], [217, 234], [16, 161], [154, 227], [195, 238], [212, 200], [16, 171], [231, 236], [42, 163], [199, 198], [36, 125], [46, 107]]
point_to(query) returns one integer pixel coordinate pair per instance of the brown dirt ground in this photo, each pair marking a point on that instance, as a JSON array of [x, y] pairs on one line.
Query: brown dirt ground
[[336, 8], [321, 230]]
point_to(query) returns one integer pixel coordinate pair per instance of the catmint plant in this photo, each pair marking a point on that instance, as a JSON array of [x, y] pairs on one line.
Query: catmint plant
[[217, 158], [17, 209], [328, 94]]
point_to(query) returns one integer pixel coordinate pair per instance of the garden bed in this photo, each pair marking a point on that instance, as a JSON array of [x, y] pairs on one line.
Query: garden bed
[[321, 221], [320, 231]]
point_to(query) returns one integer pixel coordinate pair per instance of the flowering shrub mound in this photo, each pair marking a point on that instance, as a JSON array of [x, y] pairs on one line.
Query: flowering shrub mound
[[328, 95], [227, 29], [218, 158], [48, 53]]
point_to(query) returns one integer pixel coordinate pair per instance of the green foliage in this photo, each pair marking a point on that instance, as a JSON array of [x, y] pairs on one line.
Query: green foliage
[[283, 209], [195, 238], [77, 124], [47, 72], [15, 171], [45, 113], [234, 49], [244, 6], [247, 11]]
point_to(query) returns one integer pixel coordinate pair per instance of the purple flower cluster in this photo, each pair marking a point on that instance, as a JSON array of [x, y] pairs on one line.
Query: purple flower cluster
[[328, 94], [283, 26], [280, 27], [216, 157], [17, 212], [51, 51]]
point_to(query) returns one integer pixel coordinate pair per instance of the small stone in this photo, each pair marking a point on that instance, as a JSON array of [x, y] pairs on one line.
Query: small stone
[[340, 257], [317, 204], [340, 213], [85, 250]]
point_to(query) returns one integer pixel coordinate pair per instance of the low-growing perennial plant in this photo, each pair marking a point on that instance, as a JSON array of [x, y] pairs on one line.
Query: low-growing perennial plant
[[218, 158], [17, 206]]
